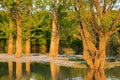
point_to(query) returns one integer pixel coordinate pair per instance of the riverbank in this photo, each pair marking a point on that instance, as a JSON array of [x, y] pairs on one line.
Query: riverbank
[[75, 61]]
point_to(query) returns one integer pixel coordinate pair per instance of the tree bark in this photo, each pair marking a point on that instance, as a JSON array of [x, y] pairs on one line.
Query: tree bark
[[27, 47], [19, 31], [94, 55], [54, 44], [19, 40], [10, 41], [100, 57], [88, 47]]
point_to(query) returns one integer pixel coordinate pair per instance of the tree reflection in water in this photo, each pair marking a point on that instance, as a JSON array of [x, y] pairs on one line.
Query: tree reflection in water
[[95, 75], [55, 71], [10, 68], [28, 70], [18, 70]]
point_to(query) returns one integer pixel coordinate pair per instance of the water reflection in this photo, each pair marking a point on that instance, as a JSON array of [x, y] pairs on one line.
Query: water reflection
[[10, 68], [95, 75], [18, 70], [46, 71], [55, 71], [27, 70]]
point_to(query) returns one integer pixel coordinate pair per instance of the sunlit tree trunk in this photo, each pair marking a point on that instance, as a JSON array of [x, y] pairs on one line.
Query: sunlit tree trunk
[[54, 71], [10, 41], [54, 44], [19, 32], [100, 57], [94, 55], [27, 43], [10, 67], [27, 47], [95, 30], [88, 47], [18, 70], [19, 40]]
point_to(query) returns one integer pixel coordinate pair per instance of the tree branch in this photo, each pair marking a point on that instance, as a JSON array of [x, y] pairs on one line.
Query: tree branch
[[113, 31], [112, 4], [105, 6], [97, 5], [116, 22]]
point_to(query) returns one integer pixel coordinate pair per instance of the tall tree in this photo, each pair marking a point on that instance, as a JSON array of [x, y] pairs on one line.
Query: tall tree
[[54, 44], [9, 13], [10, 40], [19, 30], [27, 25], [97, 20]]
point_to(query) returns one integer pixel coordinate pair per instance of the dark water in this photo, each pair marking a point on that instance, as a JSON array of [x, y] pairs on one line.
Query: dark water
[[46, 71]]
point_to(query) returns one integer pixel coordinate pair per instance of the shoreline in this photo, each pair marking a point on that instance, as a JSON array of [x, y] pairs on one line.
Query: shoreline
[[61, 60]]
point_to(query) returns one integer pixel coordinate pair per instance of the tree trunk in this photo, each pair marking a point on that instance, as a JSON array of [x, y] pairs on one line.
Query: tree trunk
[[27, 47], [93, 55], [100, 58], [88, 47], [96, 59], [10, 41], [54, 44], [19, 40]]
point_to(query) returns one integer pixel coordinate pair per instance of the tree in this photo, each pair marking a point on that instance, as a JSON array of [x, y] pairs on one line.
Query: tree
[[54, 44], [27, 24], [97, 22], [9, 13], [19, 29]]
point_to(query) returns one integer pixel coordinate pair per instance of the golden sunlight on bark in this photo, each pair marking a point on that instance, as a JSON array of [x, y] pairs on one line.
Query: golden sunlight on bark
[[54, 71], [19, 31], [54, 44], [94, 55], [27, 47], [10, 41]]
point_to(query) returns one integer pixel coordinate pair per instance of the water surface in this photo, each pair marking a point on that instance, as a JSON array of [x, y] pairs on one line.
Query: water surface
[[51, 71]]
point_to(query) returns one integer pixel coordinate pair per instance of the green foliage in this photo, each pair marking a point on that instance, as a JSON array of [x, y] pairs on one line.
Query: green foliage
[[36, 19], [114, 44], [42, 31], [107, 21]]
